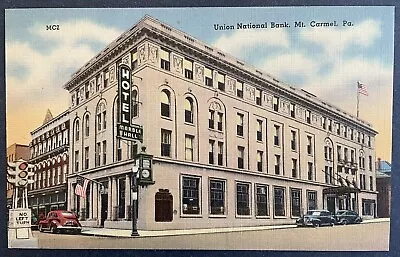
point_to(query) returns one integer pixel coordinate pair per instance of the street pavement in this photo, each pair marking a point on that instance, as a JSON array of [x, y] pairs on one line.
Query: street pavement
[[107, 232]]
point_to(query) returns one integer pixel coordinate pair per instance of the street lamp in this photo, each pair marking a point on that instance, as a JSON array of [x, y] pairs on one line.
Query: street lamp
[[135, 192]]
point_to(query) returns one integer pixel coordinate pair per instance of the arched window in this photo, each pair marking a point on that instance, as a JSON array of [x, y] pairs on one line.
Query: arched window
[[101, 116], [87, 125], [165, 103], [135, 106], [77, 130], [188, 110]]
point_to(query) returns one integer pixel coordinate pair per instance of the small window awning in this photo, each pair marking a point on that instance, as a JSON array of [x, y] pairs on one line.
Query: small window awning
[[340, 190]]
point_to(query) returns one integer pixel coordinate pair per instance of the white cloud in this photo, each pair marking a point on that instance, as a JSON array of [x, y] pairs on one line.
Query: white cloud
[[47, 71], [245, 40], [334, 40], [77, 31], [290, 64]]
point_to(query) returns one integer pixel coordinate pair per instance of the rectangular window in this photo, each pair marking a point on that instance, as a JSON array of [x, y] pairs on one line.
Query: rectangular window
[[106, 78], [190, 195], [220, 153], [258, 96], [292, 110], [99, 122], [296, 202], [189, 147], [308, 116], [219, 123], [221, 82], [104, 120], [165, 63], [330, 125], [370, 162], [166, 143], [369, 141], [294, 168], [76, 161], [98, 153], [121, 198], [239, 89], [310, 169], [240, 157], [259, 130], [293, 142], [217, 197], [371, 183], [277, 164], [346, 154], [262, 200], [339, 153], [345, 131], [211, 152], [277, 135], [351, 134], [211, 119], [352, 156], [239, 124], [104, 152], [338, 128], [324, 122], [276, 103], [259, 160], [309, 145], [119, 150], [279, 201], [86, 158], [188, 66], [312, 200], [134, 59], [242, 199], [208, 77]]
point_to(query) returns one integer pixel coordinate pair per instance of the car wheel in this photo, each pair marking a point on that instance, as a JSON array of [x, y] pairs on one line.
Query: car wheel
[[40, 228], [317, 224], [345, 222], [53, 229]]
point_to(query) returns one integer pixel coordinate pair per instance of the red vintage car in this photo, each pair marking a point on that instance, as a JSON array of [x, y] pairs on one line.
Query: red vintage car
[[60, 221]]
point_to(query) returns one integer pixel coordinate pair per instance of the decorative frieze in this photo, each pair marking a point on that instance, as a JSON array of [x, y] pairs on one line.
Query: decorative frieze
[[230, 85], [112, 72], [284, 107], [249, 93], [198, 72], [268, 100], [216, 134], [300, 112], [127, 59], [154, 54], [142, 53], [177, 63], [92, 85]]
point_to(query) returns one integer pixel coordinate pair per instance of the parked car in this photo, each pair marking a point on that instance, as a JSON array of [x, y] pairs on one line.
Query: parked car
[[316, 218], [60, 221], [345, 217]]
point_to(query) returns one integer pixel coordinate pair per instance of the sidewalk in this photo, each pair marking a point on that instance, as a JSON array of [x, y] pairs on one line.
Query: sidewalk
[[108, 232]]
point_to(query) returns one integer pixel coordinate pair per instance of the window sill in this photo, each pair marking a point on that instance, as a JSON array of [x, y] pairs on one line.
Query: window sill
[[216, 216], [263, 217], [259, 141], [240, 136], [243, 216], [189, 124], [280, 217], [191, 216], [166, 118]]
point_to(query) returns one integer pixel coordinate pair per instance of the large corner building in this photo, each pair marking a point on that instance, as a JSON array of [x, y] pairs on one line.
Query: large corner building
[[232, 145]]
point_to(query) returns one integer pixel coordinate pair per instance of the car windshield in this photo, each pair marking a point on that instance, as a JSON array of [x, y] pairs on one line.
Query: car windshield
[[314, 213], [340, 212], [68, 214]]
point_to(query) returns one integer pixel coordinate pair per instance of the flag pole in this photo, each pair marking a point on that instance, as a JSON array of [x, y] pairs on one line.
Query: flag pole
[[358, 98]]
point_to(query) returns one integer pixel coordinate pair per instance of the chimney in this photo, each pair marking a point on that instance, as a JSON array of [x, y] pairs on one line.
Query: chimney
[[379, 164]]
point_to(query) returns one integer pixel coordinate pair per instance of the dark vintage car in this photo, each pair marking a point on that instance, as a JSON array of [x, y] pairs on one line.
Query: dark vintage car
[[60, 221], [316, 218], [345, 217]]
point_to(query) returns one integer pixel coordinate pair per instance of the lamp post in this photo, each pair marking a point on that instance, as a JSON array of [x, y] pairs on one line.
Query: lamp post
[[135, 192]]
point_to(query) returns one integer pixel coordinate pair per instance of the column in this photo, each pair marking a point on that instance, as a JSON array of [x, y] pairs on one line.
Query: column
[[127, 194], [95, 201], [90, 205], [109, 205], [69, 198], [114, 194], [72, 198]]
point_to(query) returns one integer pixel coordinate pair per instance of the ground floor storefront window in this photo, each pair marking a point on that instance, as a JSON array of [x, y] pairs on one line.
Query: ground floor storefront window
[[368, 207]]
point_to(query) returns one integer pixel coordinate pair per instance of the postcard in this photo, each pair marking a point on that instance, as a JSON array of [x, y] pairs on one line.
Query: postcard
[[247, 128]]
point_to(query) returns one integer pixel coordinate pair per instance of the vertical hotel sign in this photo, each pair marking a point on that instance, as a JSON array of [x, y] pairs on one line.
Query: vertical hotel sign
[[125, 128]]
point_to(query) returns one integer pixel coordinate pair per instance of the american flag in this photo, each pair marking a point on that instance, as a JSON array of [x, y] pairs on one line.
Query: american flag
[[362, 89], [81, 185]]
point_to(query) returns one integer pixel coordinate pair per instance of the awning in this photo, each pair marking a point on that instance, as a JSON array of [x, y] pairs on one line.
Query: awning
[[340, 190]]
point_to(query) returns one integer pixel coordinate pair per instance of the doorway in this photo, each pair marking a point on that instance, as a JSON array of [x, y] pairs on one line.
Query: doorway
[[104, 208], [330, 204]]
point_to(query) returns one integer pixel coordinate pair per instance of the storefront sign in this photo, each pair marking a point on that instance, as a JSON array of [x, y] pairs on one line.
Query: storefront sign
[[125, 129]]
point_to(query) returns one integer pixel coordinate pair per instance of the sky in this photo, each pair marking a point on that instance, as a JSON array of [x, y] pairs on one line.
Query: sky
[[326, 61]]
